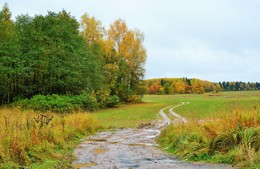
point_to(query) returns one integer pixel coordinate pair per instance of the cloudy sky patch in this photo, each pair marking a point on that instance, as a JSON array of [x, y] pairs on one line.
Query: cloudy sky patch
[[216, 40]]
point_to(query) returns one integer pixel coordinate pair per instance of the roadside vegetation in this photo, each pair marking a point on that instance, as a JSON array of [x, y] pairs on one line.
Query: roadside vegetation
[[230, 137], [223, 128], [39, 140]]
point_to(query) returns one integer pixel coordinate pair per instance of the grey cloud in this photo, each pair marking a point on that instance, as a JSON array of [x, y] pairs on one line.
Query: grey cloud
[[209, 39]]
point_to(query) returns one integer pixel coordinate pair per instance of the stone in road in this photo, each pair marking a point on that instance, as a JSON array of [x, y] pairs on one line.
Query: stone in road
[[131, 148]]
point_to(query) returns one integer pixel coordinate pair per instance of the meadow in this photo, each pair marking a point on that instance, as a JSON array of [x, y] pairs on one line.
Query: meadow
[[201, 106], [223, 127]]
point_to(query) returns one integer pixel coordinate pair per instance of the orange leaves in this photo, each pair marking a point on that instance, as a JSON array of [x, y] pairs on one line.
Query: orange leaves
[[154, 88]]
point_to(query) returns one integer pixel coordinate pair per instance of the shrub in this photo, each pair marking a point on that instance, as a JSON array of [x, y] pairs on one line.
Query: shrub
[[112, 101], [86, 101], [135, 99], [54, 103], [59, 103]]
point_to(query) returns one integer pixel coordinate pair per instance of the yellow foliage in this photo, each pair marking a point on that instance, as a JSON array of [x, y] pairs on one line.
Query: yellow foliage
[[92, 29]]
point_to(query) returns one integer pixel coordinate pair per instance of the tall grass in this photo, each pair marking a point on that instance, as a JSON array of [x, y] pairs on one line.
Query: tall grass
[[40, 140], [229, 138]]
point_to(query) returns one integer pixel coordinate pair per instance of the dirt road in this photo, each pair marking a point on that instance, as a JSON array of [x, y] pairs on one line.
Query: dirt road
[[134, 148]]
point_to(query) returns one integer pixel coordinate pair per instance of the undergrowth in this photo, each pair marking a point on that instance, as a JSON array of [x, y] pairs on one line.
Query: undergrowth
[[66, 103], [34, 140], [232, 138]]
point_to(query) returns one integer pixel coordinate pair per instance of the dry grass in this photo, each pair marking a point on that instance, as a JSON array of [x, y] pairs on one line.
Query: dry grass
[[40, 139], [229, 138]]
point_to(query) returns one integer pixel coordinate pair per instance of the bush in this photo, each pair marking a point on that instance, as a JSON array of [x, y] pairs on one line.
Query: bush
[[135, 99], [87, 102], [54, 103], [59, 103], [112, 101]]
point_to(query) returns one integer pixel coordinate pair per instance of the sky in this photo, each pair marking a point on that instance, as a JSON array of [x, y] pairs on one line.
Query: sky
[[215, 40]]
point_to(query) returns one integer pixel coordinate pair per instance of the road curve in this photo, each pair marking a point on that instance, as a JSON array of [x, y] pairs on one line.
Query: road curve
[[133, 148]]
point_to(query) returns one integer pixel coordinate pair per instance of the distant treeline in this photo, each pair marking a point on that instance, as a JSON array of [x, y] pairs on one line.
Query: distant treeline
[[55, 54], [239, 86], [185, 85]]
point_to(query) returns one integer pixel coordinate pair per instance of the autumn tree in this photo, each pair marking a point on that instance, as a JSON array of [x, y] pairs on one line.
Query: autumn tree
[[180, 87], [92, 29], [198, 89], [154, 88], [197, 86], [130, 58]]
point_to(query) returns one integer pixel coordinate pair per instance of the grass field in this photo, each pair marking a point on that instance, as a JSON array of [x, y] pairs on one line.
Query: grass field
[[200, 106], [223, 127]]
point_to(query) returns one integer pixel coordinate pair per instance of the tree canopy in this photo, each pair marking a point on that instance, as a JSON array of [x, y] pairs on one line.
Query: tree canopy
[[55, 54]]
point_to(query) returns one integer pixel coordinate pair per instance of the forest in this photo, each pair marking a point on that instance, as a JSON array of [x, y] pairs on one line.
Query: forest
[[52, 55]]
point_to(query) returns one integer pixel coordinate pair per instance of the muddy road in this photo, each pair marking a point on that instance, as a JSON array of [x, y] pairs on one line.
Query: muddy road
[[134, 148]]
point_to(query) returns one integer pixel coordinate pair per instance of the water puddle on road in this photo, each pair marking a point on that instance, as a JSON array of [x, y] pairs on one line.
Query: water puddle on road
[[136, 144], [100, 151], [84, 165], [98, 140]]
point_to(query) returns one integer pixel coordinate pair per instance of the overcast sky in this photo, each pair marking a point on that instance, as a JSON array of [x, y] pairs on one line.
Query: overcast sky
[[216, 40]]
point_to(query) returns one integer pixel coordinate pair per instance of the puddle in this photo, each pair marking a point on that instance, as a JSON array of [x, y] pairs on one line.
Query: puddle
[[83, 165], [136, 144], [100, 151], [115, 142], [98, 140]]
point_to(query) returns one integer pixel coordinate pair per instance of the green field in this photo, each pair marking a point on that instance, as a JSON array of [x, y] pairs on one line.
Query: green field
[[222, 127], [201, 106]]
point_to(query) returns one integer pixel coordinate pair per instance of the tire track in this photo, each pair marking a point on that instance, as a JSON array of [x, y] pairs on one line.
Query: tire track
[[133, 148]]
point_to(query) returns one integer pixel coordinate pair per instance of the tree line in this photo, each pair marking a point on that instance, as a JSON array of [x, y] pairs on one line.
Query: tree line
[[56, 54], [186, 85], [239, 86]]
